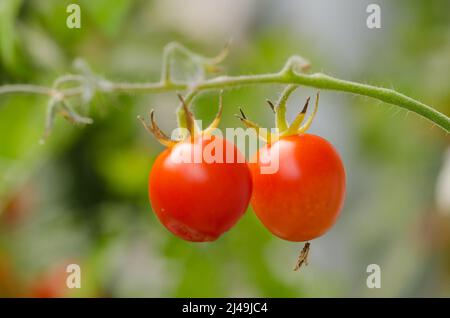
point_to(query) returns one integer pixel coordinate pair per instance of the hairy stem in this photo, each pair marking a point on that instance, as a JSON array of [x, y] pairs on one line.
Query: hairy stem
[[288, 75], [316, 80], [25, 88]]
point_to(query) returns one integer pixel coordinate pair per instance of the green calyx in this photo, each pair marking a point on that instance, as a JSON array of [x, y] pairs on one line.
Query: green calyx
[[284, 129], [186, 123]]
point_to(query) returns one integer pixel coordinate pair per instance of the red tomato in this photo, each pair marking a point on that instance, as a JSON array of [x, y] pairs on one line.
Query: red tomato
[[51, 284], [20, 205], [198, 201], [303, 199]]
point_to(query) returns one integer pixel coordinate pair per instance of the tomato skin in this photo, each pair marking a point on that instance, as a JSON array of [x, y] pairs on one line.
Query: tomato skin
[[52, 284], [303, 199], [201, 200]]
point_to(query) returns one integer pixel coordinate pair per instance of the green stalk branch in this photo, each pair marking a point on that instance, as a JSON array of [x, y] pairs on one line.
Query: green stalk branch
[[292, 73], [25, 88]]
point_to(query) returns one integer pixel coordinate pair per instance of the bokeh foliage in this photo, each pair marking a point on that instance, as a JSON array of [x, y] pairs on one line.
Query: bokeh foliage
[[83, 195]]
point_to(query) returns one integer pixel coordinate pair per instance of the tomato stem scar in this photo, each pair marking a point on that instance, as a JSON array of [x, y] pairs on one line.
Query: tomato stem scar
[[303, 257]]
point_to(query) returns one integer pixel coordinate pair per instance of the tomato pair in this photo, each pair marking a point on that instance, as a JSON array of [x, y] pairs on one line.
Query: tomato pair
[[200, 200]]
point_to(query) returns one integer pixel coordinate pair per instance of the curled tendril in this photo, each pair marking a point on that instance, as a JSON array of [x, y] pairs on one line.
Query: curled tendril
[[59, 104], [203, 63]]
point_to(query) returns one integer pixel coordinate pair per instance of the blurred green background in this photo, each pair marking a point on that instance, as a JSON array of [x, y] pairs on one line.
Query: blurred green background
[[82, 196]]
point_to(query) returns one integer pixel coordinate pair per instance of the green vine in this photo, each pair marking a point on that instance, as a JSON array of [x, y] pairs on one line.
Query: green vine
[[85, 84]]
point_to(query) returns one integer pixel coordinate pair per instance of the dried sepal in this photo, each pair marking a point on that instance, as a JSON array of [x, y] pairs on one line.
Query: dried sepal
[[186, 118], [303, 257], [271, 105], [262, 133], [295, 125], [280, 112], [156, 131], [310, 119]]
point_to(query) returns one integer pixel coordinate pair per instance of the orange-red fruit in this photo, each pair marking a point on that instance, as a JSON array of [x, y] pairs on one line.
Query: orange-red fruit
[[199, 201], [303, 198], [51, 284]]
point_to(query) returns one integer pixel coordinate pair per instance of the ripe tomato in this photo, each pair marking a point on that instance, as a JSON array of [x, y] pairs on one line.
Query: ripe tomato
[[51, 284], [198, 201], [303, 199]]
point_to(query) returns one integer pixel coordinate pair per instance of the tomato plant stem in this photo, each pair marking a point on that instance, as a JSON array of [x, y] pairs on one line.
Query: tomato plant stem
[[291, 73]]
